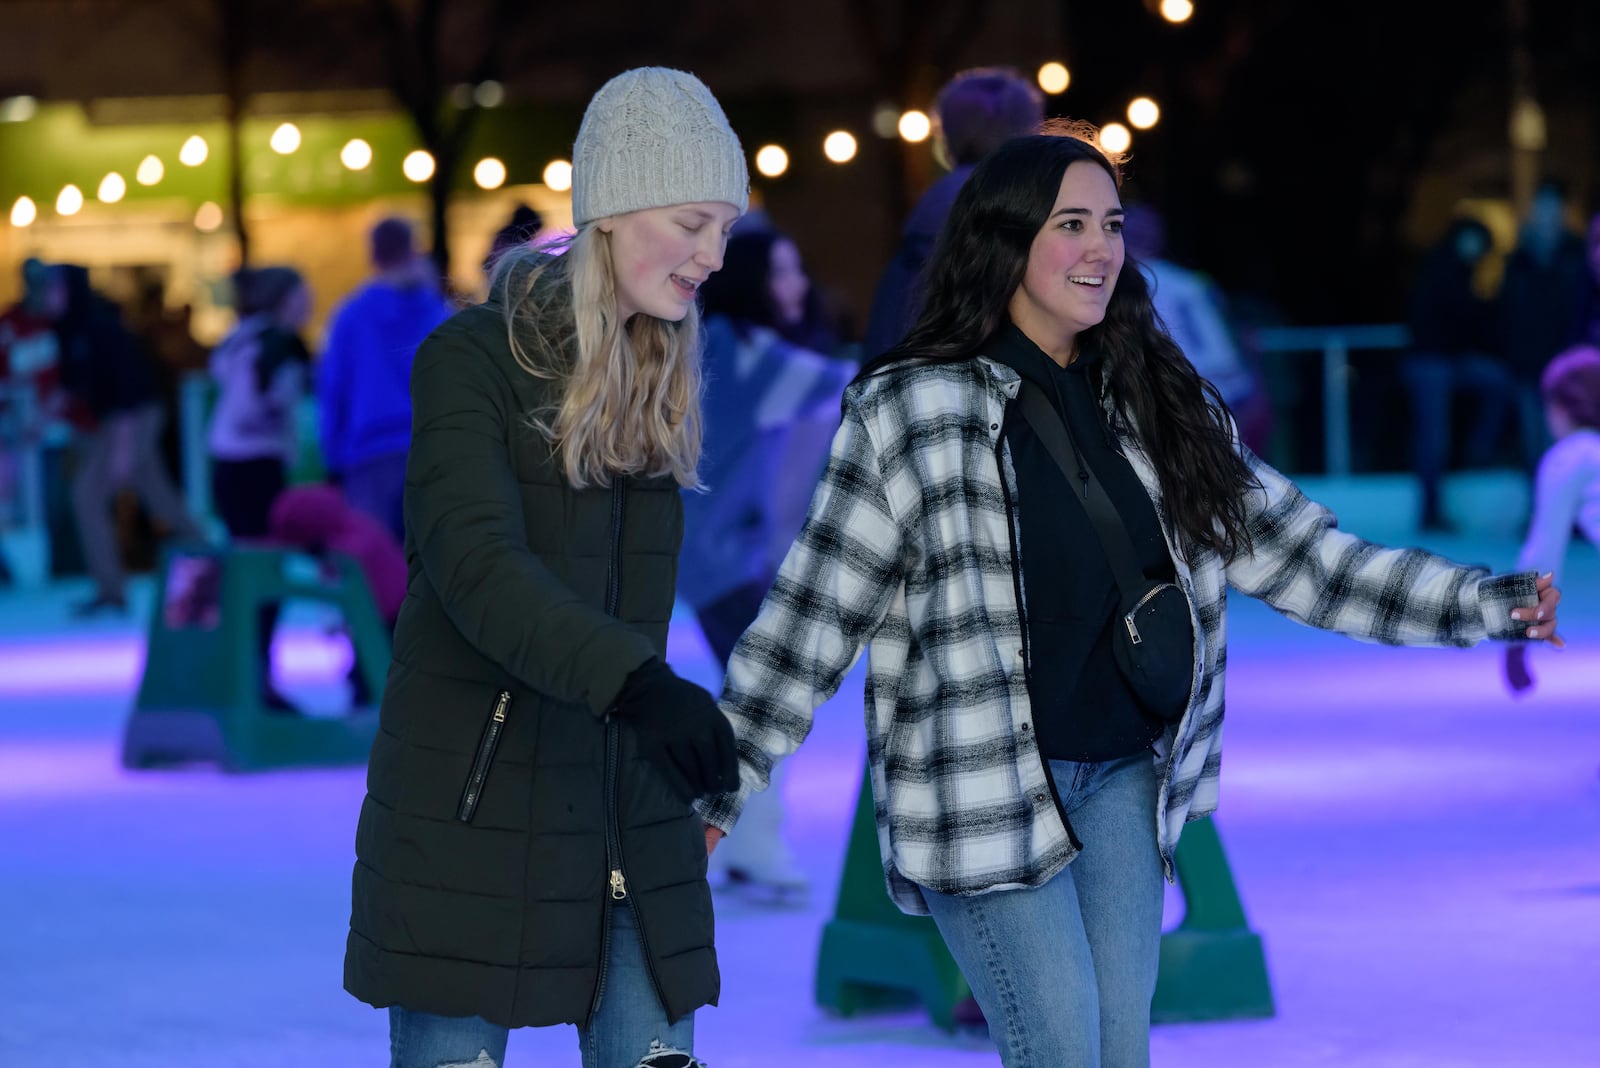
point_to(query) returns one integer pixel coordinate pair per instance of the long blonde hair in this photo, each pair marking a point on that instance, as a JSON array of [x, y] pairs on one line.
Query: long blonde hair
[[627, 400]]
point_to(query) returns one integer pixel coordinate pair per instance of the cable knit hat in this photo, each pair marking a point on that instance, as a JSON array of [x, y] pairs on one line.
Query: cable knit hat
[[650, 138]]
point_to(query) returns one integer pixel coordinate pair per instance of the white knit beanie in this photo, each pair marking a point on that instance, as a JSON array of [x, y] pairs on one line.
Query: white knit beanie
[[654, 137]]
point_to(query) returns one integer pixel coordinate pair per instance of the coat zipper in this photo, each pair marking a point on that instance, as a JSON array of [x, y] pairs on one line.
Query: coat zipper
[[487, 744], [1133, 628], [1027, 645], [616, 875]]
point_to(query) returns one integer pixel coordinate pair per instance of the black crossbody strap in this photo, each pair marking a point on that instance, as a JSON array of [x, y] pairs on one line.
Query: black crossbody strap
[[1103, 515]]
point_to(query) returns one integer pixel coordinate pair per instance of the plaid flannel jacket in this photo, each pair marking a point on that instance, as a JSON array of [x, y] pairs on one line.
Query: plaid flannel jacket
[[909, 544]]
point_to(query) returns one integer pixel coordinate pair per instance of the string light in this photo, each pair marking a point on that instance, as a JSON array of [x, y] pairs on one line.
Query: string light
[[418, 165], [194, 151], [356, 154], [490, 173], [839, 146], [285, 139], [915, 126], [772, 161], [558, 175], [1054, 78]]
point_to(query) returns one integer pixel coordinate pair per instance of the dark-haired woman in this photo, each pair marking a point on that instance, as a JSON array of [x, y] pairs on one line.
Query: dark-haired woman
[[770, 402], [1029, 791]]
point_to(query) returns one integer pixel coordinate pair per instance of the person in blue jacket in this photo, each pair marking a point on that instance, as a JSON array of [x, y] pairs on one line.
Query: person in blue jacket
[[365, 374]]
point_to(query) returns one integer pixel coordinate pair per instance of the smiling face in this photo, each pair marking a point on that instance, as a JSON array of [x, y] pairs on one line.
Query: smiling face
[[662, 255], [1073, 264]]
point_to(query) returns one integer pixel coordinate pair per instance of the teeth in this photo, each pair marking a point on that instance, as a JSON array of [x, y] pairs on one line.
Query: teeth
[[1088, 280]]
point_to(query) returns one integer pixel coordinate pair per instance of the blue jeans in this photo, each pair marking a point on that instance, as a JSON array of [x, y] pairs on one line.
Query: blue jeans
[[1065, 972], [377, 487], [630, 1030], [1434, 381]]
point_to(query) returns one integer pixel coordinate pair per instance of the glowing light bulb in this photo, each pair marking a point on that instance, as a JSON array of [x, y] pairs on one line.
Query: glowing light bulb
[[1176, 10], [112, 189], [1143, 113], [150, 171], [194, 151], [1115, 138], [490, 173], [1054, 78], [839, 146], [285, 139], [69, 201], [356, 154], [24, 211], [558, 175], [417, 166], [772, 161], [915, 126]]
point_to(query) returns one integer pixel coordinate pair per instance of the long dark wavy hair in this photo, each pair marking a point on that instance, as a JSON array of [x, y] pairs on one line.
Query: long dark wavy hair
[[978, 264]]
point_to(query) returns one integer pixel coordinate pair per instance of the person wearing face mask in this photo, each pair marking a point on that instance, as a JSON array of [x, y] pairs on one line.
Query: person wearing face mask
[[1452, 354], [1032, 510], [771, 404], [527, 854], [1541, 299]]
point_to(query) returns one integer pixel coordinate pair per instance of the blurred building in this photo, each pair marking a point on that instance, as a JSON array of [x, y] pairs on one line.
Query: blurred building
[[101, 103]]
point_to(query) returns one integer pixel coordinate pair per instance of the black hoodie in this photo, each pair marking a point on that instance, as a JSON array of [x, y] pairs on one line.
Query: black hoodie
[[1082, 708], [102, 363]]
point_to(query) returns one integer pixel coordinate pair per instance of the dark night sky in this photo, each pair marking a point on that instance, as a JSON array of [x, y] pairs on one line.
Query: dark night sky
[[1294, 134]]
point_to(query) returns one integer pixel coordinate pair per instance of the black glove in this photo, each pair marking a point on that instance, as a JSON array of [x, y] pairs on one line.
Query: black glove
[[681, 731], [1518, 677]]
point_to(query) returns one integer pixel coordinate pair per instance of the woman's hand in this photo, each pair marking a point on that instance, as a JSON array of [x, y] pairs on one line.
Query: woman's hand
[[713, 836], [1543, 615]]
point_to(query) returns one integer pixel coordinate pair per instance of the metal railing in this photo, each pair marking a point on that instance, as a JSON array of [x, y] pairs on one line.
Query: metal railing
[[1335, 343], [25, 508]]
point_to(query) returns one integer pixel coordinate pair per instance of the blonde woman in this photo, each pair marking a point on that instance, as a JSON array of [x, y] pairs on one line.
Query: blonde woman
[[527, 854]]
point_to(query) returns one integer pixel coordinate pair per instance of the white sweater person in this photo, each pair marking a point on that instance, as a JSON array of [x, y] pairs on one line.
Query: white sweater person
[[1567, 488]]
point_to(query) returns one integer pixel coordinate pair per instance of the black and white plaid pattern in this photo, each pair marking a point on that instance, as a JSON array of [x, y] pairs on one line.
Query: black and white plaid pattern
[[909, 544]]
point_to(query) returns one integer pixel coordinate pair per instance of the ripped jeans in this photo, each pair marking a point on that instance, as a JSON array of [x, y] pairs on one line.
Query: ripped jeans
[[630, 1030]]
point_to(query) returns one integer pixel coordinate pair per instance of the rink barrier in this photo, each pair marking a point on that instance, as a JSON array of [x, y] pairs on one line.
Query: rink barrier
[[200, 698], [874, 957]]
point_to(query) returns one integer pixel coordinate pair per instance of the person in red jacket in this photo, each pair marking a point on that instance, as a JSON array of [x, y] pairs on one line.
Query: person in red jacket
[[318, 520]]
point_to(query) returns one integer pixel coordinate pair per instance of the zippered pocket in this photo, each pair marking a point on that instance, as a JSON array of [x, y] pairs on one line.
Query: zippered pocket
[[1128, 620], [488, 742]]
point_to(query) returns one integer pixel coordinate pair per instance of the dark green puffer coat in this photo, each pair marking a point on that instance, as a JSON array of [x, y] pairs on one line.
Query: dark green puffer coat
[[503, 812]]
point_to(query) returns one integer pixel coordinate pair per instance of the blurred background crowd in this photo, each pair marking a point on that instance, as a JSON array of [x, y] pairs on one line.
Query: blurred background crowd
[[230, 222]]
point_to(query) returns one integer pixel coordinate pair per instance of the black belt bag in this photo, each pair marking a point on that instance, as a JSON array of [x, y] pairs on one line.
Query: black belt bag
[[1153, 638]]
